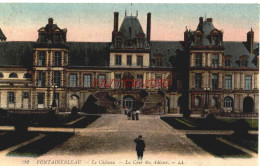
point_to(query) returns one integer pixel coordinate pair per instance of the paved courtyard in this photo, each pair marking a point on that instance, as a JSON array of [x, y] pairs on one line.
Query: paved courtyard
[[110, 141]]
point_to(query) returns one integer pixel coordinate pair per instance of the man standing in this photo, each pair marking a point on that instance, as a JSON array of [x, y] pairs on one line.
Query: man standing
[[140, 145]]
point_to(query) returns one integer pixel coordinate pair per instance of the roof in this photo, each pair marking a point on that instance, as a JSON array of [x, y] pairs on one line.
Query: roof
[[2, 36], [88, 53], [131, 22], [166, 48], [236, 50], [16, 54]]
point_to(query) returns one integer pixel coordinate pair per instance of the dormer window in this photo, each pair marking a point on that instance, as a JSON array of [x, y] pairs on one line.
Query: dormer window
[[118, 42], [198, 40], [57, 37], [215, 40], [42, 37], [244, 63], [227, 62], [159, 62], [140, 43]]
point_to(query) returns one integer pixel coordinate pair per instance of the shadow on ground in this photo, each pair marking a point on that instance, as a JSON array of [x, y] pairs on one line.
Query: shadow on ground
[[41, 146], [211, 144]]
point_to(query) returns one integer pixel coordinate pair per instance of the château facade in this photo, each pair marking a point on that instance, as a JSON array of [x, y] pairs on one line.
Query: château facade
[[201, 72]]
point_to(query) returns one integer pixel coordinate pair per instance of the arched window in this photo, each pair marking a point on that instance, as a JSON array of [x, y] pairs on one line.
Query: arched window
[[197, 101], [228, 102], [27, 75], [1, 75], [13, 75]]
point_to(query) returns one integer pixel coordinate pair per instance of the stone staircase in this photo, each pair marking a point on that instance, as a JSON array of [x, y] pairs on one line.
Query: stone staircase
[[106, 101]]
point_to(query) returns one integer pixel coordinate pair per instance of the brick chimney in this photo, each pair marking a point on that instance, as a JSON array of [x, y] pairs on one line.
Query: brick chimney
[[148, 30], [250, 41], [116, 14], [209, 19], [201, 24]]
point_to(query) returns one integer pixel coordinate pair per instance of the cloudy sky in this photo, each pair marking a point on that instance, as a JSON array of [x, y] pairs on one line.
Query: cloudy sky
[[94, 22]]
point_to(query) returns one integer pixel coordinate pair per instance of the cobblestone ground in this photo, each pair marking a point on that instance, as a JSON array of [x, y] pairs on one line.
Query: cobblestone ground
[[114, 134]]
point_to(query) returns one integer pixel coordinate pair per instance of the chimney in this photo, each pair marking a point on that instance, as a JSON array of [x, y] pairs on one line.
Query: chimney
[[209, 19], [201, 24], [50, 21], [250, 41], [148, 31], [116, 21]]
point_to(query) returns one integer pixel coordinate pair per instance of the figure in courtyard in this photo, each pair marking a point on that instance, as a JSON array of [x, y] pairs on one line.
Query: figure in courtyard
[[137, 114], [133, 114], [126, 109], [140, 147], [129, 114]]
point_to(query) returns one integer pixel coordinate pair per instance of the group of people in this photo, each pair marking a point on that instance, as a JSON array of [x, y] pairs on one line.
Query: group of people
[[132, 113]]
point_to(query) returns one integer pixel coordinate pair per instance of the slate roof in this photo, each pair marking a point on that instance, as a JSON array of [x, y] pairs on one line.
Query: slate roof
[[166, 48], [16, 54], [133, 23], [2, 36], [97, 53], [88, 53], [237, 49]]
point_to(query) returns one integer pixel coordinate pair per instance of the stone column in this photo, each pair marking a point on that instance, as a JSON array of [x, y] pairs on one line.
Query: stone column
[[209, 59], [203, 60], [220, 59], [220, 83]]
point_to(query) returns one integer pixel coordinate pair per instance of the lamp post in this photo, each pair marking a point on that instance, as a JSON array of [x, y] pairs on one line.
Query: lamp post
[[206, 106], [54, 105]]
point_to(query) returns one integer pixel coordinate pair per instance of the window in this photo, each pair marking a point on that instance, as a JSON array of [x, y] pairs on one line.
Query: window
[[1, 75], [158, 81], [101, 80], [57, 58], [198, 40], [243, 63], [87, 80], [13, 75], [159, 62], [118, 60], [56, 96], [40, 98], [228, 82], [42, 37], [228, 102], [248, 83], [215, 41], [41, 79], [214, 81], [139, 60], [27, 75], [41, 60], [198, 80], [129, 60], [140, 43], [198, 60], [25, 95], [118, 42], [73, 80], [139, 81], [215, 61], [57, 78], [57, 37], [11, 97], [227, 62], [117, 80], [197, 101]]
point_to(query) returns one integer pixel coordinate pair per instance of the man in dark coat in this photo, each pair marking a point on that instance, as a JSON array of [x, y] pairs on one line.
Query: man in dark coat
[[140, 145]]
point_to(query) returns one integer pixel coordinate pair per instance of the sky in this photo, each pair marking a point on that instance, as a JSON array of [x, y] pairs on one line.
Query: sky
[[94, 22]]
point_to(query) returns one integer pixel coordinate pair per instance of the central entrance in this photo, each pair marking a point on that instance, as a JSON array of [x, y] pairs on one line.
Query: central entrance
[[129, 102]]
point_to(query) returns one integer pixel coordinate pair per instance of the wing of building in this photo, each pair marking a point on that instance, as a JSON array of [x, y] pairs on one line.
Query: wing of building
[[203, 72]]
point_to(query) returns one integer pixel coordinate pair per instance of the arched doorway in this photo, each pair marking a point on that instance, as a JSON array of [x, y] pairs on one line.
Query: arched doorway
[[74, 101], [248, 105], [129, 102]]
